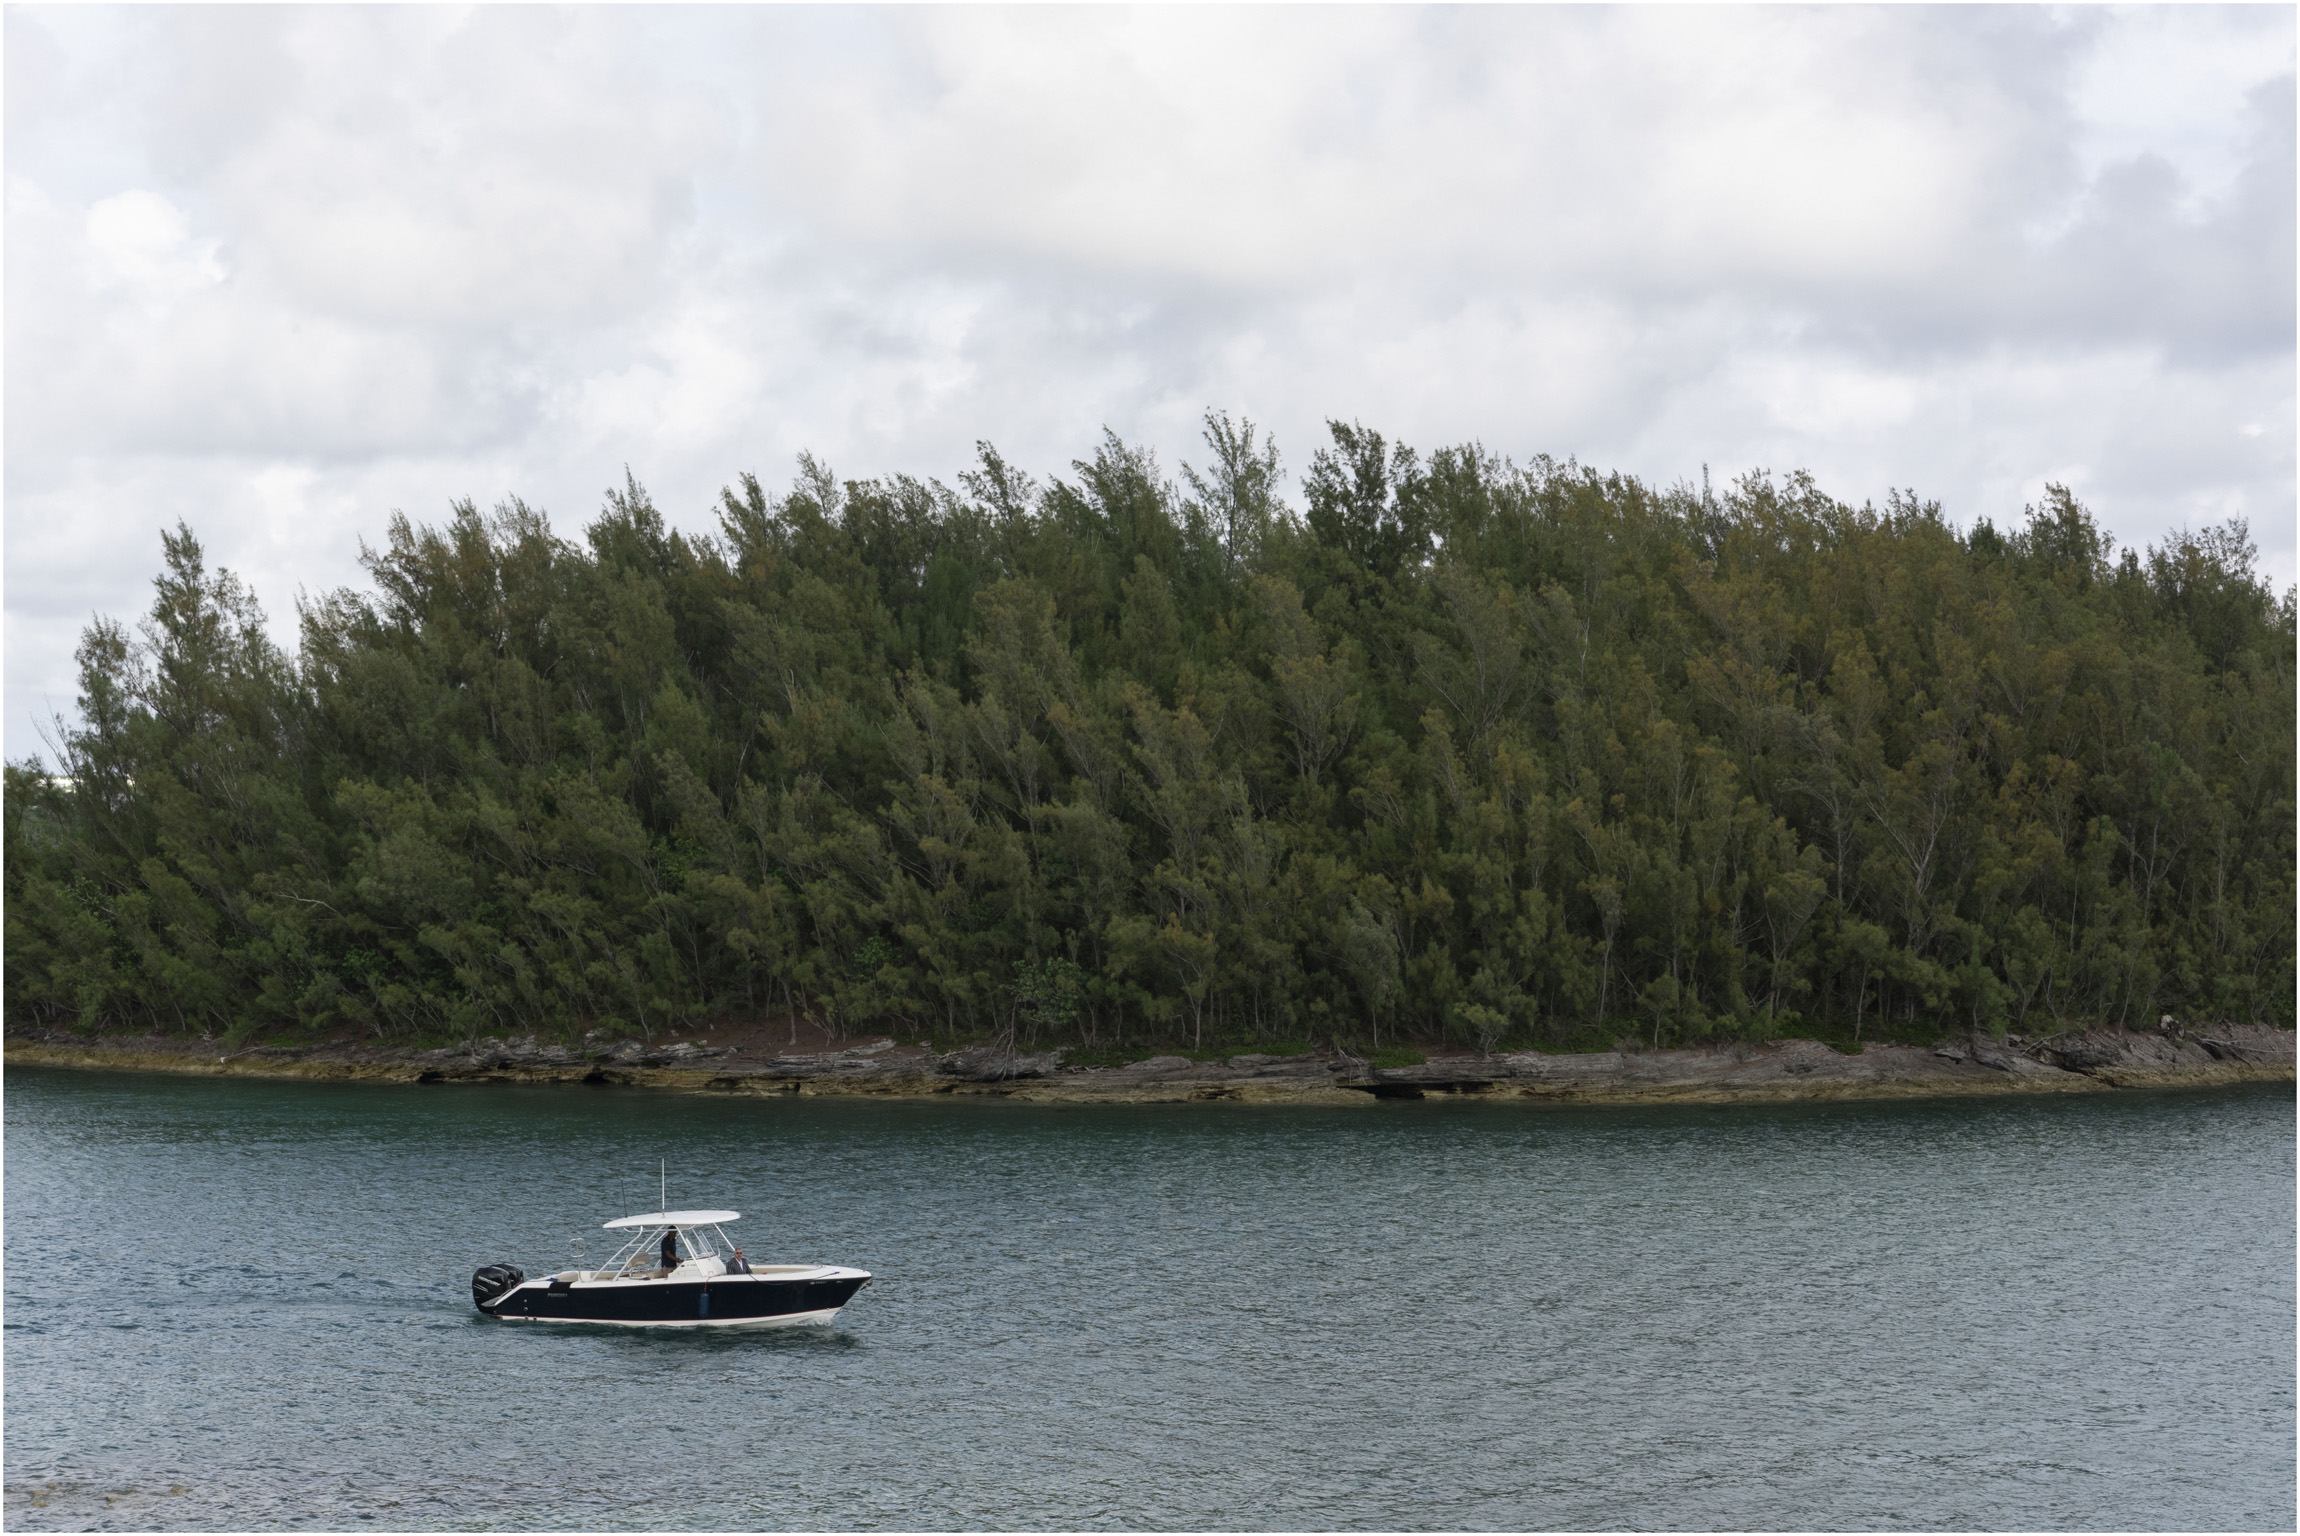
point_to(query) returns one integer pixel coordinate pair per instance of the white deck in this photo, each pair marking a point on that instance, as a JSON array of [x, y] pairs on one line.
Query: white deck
[[700, 1269]]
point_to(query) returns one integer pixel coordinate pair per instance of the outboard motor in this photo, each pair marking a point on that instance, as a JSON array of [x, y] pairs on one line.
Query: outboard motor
[[493, 1281]]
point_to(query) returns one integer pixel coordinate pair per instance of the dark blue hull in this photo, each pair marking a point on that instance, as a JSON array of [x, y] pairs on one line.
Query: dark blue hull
[[722, 1301]]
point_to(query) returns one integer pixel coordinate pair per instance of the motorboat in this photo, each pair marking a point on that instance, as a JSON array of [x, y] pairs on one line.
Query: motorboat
[[677, 1270]]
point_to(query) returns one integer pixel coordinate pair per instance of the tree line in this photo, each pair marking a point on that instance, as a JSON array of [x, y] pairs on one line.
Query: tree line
[[1456, 749]]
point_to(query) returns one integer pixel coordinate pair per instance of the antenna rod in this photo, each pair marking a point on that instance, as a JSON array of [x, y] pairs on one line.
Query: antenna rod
[[663, 1189]]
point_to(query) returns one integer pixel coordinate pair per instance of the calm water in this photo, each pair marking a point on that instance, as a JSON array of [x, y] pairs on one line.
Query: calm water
[[246, 1305]]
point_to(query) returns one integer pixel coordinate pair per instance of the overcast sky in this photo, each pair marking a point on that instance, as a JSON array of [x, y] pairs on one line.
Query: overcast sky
[[278, 272]]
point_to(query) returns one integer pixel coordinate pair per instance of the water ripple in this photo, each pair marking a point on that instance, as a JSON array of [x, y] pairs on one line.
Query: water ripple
[[243, 1305]]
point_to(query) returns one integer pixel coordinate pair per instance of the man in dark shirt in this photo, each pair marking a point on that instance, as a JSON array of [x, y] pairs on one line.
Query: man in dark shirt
[[670, 1249], [736, 1266]]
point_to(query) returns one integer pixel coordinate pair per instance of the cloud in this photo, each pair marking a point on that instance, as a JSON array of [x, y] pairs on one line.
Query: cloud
[[280, 270], [140, 246]]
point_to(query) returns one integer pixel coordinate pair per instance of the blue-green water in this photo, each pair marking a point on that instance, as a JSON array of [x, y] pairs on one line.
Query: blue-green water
[[238, 1304]]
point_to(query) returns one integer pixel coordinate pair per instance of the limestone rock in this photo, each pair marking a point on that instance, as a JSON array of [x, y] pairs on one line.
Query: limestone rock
[[987, 1064]]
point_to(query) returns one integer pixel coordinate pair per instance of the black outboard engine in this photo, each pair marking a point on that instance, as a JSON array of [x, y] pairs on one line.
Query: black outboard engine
[[493, 1281]]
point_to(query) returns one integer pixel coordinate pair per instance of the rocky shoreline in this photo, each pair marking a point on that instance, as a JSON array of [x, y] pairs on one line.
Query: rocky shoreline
[[2092, 1061]]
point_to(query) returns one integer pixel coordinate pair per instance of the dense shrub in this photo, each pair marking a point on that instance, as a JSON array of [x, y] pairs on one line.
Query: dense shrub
[[1458, 749]]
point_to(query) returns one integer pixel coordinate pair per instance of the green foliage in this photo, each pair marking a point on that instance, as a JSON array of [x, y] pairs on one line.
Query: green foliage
[[1460, 750], [1048, 997], [1396, 1056]]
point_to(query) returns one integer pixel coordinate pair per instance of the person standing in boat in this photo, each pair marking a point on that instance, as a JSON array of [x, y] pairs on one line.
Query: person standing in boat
[[736, 1266], [670, 1249]]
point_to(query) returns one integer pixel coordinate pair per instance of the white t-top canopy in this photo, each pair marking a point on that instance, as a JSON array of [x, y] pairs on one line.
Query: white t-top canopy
[[675, 1219]]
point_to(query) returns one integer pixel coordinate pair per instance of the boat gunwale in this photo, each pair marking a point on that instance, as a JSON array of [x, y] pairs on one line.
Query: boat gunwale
[[790, 1274]]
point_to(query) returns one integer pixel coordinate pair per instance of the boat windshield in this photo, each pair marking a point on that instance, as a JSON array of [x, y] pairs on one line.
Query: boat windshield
[[643, 1255]]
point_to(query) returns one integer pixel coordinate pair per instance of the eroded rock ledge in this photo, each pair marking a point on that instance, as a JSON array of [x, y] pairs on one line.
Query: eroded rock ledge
[[2093, 1061]]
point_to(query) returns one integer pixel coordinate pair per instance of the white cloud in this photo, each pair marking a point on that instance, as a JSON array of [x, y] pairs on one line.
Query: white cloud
[[281, 270], [140, 246]]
